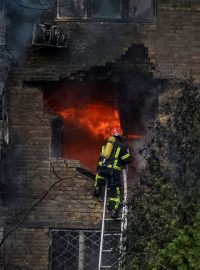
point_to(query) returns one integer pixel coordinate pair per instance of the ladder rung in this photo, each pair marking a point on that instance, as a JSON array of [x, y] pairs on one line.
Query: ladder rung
[[112, 234], [107, 250], [113, 219]]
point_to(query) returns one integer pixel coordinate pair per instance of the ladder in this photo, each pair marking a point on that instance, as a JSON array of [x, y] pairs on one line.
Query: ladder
[[113, 232]]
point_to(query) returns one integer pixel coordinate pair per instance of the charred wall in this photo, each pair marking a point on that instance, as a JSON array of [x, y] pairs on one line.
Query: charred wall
[[172, 42]]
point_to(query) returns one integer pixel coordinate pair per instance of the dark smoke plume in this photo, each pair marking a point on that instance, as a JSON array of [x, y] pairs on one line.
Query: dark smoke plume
[[21, 16]]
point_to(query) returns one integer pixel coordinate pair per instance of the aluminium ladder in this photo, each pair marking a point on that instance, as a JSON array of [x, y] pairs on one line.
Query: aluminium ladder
[[112, 240]]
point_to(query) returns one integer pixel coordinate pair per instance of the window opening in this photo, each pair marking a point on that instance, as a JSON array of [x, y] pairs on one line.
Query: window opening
[[141, 8], [57, 137], [71, 8], [106, 9]]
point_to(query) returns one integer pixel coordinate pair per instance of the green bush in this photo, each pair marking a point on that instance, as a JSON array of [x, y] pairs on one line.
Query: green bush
[[164, 223]]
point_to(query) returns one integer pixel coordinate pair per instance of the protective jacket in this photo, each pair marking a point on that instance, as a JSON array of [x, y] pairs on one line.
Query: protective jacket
[[119, 156], [109, 168]]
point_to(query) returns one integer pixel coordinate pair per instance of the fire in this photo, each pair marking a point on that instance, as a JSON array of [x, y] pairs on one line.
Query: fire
[[68, 113], [98, 119], [135, 136]]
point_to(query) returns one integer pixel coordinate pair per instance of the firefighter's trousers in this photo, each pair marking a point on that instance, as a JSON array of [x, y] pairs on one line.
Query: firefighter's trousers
[[114, 189]]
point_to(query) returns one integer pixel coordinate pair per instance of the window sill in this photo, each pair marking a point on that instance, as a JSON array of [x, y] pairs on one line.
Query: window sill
[[110, 20]]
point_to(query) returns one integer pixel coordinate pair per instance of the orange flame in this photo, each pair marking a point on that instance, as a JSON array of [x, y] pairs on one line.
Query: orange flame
[[135, 136], [97, 118], [68, 113]]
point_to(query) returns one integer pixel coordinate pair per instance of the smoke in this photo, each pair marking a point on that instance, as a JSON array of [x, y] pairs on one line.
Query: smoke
[[138, 103], [21, 16], [138, 108]]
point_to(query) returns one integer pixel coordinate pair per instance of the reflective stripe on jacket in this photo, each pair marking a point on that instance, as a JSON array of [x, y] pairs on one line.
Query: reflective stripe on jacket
[[119, 156]]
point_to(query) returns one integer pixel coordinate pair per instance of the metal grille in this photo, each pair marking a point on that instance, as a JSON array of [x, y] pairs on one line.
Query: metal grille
[[111, 244], [79, 250]]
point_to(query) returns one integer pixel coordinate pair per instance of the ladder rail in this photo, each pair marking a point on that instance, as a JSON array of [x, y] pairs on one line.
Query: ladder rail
[[102, 227], [125, 206], [122, 229], [124, 218]]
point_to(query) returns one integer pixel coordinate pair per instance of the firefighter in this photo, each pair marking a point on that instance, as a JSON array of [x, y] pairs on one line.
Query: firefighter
[[114, 155]]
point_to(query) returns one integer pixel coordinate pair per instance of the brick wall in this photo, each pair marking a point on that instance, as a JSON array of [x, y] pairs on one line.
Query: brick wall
[[32, 172], [91, 44], [64, 195], [70, 203], [28, 249], [177, 39], [172, 41]]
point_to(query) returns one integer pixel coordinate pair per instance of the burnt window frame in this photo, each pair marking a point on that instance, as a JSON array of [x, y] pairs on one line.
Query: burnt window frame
[[57, 137], [124, 6]]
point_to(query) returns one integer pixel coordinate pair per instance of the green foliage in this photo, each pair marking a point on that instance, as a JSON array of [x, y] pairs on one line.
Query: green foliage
[[164, 227], [183, 252]]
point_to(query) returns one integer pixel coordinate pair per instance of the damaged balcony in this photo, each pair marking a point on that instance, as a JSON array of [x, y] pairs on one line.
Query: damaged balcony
[[47, 35]]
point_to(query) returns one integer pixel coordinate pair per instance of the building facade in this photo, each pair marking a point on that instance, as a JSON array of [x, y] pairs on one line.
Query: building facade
[[109, 57]]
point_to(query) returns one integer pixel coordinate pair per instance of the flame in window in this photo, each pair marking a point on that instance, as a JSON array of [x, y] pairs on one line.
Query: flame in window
[[97, 119]]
